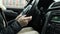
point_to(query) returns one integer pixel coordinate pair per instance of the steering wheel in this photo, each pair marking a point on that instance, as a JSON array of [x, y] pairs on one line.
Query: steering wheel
[[29, 7], [31, 10]]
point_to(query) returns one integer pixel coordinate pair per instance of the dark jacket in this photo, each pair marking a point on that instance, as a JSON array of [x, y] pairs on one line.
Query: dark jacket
[[12, 28]]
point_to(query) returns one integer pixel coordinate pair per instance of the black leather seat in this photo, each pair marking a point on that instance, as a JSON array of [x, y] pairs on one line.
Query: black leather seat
[[10, 14]]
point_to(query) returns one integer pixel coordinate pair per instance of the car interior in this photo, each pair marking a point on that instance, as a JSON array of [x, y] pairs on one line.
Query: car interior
[[45, 18]]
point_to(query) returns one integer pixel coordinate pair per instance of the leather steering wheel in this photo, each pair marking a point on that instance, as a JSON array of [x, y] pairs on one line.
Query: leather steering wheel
[[31, 10], [29, 7]]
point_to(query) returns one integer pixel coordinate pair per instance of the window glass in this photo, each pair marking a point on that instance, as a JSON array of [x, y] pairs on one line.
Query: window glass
[[14, 3]]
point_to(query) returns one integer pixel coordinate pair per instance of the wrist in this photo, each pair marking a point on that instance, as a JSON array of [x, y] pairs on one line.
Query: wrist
[[19, 22]]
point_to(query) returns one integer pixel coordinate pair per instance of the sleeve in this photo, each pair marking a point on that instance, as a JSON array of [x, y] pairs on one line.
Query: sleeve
[[14, 25], [12, 28]]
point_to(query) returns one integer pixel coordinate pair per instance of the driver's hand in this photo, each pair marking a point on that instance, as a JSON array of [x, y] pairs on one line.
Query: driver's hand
[[23, 20]]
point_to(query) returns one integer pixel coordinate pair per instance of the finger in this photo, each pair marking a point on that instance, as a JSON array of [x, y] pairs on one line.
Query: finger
[[28, 18], [23, 15]]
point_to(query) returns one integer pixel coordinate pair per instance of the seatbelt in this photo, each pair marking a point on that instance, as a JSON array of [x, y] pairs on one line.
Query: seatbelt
[[4, 19]]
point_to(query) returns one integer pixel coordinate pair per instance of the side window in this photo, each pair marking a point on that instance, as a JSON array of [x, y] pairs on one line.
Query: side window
[[15, 3]]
